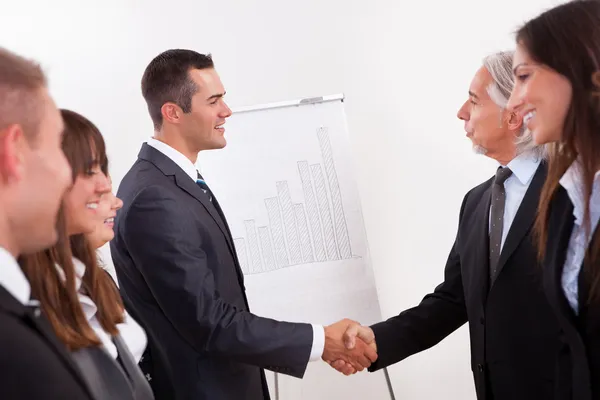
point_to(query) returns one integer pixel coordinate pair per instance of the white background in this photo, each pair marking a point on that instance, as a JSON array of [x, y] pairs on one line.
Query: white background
[[263, 148], [404, 67]]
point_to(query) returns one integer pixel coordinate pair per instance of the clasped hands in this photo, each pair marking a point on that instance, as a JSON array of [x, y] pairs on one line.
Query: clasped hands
[[349, 346]]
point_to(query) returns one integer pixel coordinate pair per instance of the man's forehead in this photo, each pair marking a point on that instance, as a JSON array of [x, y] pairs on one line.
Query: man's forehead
[[206, 79], [480, 82], [51, 115]]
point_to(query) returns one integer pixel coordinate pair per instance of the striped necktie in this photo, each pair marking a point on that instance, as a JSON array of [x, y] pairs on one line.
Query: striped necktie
[[202, 183]]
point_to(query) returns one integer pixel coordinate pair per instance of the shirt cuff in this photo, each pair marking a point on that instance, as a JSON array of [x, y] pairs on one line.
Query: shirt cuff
[[318, 343]]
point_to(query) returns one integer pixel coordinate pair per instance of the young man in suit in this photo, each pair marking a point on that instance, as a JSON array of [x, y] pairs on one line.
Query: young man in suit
[[176, 262], [34, 175], [492, 278]]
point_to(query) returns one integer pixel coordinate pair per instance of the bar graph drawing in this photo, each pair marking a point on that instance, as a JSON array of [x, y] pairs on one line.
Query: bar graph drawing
[[286, 184], [314, 230]]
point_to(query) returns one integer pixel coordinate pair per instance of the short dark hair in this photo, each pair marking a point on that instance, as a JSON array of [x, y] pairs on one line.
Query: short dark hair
[[166, 79], [20, 83]]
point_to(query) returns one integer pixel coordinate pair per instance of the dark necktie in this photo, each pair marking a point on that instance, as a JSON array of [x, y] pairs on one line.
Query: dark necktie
[[200, 181], [497, 218]]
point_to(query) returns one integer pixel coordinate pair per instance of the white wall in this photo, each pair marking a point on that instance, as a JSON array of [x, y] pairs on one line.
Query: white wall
[[405, 68]]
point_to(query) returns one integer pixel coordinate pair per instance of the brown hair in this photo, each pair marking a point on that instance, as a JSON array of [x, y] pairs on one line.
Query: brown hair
[[84, 147], [166, 79], [20, 99], [58, 298], [566, 38]]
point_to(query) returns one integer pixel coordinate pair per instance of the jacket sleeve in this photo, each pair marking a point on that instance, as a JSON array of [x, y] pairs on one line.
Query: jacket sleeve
[[438, 315], [167, 247]]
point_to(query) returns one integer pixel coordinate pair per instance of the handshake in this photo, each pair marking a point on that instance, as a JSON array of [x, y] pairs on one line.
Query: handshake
[[349, 346]]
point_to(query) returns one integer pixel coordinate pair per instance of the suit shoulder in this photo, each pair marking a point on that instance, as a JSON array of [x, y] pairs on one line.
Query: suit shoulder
[[18, 338], [28, 354], [142, 177], [477, 191], [140, 171]]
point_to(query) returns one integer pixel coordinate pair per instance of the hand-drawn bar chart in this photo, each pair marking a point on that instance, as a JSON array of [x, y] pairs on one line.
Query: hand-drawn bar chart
[[299, 232]]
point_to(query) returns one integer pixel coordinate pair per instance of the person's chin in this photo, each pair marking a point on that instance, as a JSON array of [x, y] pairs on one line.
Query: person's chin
[[50, 240], [219, 144], [478, 149], [540, 137], [107, 238]]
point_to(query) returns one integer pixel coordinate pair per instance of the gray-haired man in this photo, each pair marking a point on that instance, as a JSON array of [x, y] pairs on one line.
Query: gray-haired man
[[492, 279]]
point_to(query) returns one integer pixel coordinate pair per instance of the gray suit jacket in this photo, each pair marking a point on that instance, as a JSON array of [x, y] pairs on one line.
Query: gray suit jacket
[[178, 272]]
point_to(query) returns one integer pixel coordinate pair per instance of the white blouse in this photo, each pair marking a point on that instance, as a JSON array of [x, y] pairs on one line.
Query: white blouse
[[132, 333], [572, 181]]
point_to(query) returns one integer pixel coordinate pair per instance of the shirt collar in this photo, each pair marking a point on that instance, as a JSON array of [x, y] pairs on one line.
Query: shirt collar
[[12, 277], [87, 304], [182, 161], [79, 268], [572, 182], [524, 166]]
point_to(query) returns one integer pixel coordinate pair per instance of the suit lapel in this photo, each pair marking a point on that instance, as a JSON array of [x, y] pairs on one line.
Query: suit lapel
[[524, 218], [184, 182], [560, 226], [482, 247], [11, 305], [240, 273], [188, 185]]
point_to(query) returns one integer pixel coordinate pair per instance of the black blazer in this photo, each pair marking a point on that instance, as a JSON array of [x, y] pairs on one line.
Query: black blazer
[[177, 268], [579, 361], [110, 378], [35, 365], [514, 335]]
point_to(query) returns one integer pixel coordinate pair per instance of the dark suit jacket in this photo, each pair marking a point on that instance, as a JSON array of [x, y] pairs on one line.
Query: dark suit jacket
[[177, 268], [579, 361], [514, 335], [35, 365]]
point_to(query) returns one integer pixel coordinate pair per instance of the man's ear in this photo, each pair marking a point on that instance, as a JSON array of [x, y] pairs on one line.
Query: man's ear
[[171, 113], [514, 121], [12, 153]]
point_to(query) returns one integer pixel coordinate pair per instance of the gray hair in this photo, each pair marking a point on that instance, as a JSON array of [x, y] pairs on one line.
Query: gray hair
[[499, 65]]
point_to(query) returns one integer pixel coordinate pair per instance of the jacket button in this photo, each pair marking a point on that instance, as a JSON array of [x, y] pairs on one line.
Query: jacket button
[[482, 320], [480, 367]]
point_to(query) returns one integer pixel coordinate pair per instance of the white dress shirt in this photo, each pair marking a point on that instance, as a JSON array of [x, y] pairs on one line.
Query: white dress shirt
[[318, 344], [12, 278], [523, 169], [132, 333], [572, 182]]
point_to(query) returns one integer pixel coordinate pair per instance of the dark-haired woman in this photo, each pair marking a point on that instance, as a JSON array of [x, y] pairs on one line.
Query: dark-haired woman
[[79, 299], [557, 71]]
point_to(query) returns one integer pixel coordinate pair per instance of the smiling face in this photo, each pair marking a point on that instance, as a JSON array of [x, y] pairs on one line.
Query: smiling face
[[85, 149], [83, 199], [107, 211], [201, 128], [541, 95], [32, 163], [209, 110]]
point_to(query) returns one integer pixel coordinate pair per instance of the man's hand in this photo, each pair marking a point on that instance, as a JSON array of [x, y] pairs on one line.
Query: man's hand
[[354, 331], [345, 353]]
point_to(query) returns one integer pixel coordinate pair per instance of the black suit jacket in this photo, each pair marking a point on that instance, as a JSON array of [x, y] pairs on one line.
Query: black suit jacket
[[35, 365], [579, 360], [514, 335], [177, 268]]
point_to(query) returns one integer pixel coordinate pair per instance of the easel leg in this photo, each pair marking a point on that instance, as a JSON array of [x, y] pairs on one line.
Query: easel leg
[[389, 384]]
